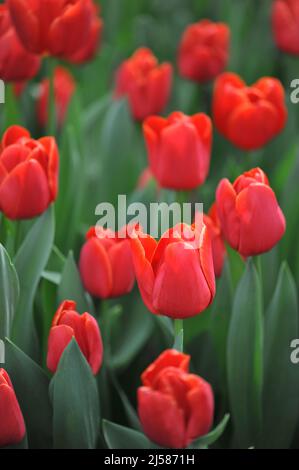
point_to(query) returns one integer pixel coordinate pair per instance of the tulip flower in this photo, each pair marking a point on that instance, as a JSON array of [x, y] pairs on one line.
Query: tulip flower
[[28, 173], [249, 116], [179, 149], [251, 219], [204, 51], [174, 406], [212, 222], [105, 264], [285, 25], [16, 64], [59, 28], [64, 88], [67, 324], [12, 426], [176, 275], [146, 84]]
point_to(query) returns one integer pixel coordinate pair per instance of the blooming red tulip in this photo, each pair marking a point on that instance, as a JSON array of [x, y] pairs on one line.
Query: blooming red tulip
[[16, 64], [89, 48], [179, 149], [176, 275], [212, 222], [251, 219], [68, 324], [57, 27], [249, 116], [204, 50], [64, 88], [146, 83], [285, 25], [174, 406], [28, 173], [12, 426], [106, 265]]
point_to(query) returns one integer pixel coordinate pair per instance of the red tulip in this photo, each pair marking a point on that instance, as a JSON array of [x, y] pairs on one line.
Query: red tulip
[[106, 265], [146, 83], [16, 64], [204, 50], [55, 27], [28, 173], [285, 25], [12, 426], [212, 222], [249, 116], [89, 48], [68, 324], [64, 88], [179, 149], [174, 406], [251, 219], [176, 275]]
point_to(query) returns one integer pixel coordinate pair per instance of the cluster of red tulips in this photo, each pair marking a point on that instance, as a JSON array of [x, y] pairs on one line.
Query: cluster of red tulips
[[175, 274]]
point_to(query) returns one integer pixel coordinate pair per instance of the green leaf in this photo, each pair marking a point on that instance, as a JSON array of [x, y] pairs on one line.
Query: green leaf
[[212, 436], [30, 262], [31, 386], [281, 381], [245, 358], [120, 437], [71, 287], [9, 288], [76, 421]]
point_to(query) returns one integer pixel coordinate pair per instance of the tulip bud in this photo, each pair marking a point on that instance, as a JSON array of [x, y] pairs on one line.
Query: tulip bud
[[16, 64], [28, 173], [212, 222], [285, 25], [249, 116], [68, 324], [64, 88], [179, 149], [251, 219], [174, 406], [105, 264], [146, 84], [176, 275], [12, 426], [66, 29], [204, 50]]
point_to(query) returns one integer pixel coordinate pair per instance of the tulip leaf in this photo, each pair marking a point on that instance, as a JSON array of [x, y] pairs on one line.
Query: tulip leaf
[[212, 436], [9, 288], [71, 287], [76, 420], [31, 386], [120, 437], [30, 262], [281, 382], [245, 358]]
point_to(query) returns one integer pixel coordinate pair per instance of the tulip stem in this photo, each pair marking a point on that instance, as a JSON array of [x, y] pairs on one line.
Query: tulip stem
[[178, 329]]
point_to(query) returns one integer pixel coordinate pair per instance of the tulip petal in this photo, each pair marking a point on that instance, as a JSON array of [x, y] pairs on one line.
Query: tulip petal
[[161, 419], [262, 223], [181, 293], [123, 274], [25, 193], [226, 208], [201, 407], [26, 24], [95, 344], [59, 337], [12, 426], [95, 269], [169, 358]]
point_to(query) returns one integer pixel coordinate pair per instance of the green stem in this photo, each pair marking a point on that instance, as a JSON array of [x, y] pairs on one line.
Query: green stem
[[178, 326]]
